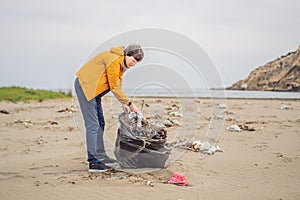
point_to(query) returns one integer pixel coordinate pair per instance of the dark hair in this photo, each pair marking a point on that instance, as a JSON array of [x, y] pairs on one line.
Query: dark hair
[[134, 50]]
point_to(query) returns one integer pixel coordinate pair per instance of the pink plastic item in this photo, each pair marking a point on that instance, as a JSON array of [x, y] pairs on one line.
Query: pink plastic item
[[178, 179]]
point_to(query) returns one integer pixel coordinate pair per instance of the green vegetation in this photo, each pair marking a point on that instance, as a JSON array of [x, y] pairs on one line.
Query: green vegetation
[[16, 94]]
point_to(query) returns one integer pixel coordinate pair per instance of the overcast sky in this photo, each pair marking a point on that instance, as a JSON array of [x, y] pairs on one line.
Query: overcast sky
[[44, 42]]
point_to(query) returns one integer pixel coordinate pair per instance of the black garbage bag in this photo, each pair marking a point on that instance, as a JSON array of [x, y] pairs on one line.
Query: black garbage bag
[[140, 147]]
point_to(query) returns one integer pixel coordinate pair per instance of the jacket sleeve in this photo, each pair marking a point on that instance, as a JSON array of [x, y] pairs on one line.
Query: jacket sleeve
[[115, 82]]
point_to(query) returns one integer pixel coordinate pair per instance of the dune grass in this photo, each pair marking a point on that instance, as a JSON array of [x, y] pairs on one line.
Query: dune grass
[[17, 94]]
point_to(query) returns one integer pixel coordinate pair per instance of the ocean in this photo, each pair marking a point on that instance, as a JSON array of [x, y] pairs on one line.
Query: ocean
[[215, 93]]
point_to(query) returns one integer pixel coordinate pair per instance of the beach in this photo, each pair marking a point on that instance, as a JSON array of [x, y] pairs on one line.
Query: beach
[[43, 154]]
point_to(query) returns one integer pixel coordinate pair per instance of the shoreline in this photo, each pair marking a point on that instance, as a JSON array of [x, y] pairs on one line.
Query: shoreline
[[230, 98]]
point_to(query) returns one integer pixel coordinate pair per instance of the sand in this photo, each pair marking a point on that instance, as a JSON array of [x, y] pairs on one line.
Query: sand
[[45, 158]]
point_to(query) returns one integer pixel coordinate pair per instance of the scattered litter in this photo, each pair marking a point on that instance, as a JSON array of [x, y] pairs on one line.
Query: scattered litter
[[25, 122], [149, 183], [21, 120], [219, 117], [169, 123], [176, 114], [183, 143], [53, 122], [205, 147], [234, 127], [173, 107], [222, 106], [4, 112], [284, 107], [175, 122], [197, 146], [66, 110], [245, 127], [228, 112], [240, 127], [178, 179]]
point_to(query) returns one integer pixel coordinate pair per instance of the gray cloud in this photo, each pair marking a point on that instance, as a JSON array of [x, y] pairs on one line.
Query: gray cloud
[[43, 43]]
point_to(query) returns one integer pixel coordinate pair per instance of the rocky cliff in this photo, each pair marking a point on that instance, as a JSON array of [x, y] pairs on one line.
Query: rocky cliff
[[282, 74]]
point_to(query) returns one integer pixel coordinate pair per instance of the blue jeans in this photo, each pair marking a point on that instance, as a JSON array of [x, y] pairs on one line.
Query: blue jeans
[[94, 124]]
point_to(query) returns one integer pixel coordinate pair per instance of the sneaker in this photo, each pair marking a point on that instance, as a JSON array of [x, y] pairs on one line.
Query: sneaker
[[109, 161], [98, 167]]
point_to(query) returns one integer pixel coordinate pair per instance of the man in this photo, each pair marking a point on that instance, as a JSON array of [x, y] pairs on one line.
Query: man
[[97, 77]]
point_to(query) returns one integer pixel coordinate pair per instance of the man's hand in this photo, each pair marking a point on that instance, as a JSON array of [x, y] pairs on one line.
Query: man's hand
[[133, 108], [126, 108]]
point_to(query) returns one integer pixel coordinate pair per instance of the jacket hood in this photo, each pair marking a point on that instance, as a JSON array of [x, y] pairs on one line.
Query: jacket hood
[[117, 50]]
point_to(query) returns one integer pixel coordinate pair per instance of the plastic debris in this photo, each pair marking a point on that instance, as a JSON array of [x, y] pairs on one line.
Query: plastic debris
[[173, 107], [222, 106], [197, 146], [4, 112], [149, 183], [205, 147], [234, 127], [171, 122], [175, 122], [53, 122], [245, 127], [176, 114], [138, 116], [284, 107], [66, 110], [178, 179], [25, 122], [183, 143], [168, 123]]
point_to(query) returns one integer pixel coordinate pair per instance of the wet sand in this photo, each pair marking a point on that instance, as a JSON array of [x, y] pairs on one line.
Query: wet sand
[[43, 154]]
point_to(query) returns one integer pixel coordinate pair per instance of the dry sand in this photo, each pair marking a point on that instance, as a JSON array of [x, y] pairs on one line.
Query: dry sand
[[45, 158]]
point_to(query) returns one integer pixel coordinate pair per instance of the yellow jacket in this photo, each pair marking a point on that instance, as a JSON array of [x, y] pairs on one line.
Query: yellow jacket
[[103, 72]]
